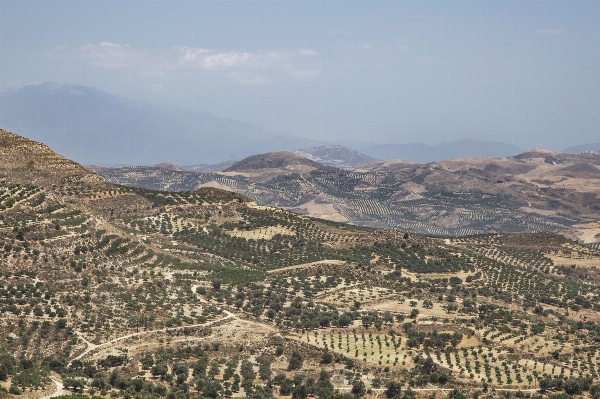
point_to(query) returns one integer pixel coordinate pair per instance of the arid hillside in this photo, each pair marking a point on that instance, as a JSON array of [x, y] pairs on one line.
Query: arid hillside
[[121, 292], [535, 191]]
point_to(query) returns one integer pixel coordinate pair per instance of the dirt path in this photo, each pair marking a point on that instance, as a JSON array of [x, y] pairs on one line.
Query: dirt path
[[60, 389], [229, 315], [91, 347], [302, 266]]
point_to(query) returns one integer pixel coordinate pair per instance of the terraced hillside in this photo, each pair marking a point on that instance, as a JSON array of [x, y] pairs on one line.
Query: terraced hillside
[[533, 192], [122, 292]]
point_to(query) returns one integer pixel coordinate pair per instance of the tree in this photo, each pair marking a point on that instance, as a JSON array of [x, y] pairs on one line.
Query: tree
[[326, 358], [409, 394], [545, 383], [211, 388], [160, 369], [358, 388], [451, 307], [264, 370], [324, 385], [572, 386], [595, 391], [299, 392], [74, 383], [296, 361], [393, 390], [456, 394], [286, 387], [247, 370], [388, 318], [147, 361], [345, 319], [311, 386], [414, 313]]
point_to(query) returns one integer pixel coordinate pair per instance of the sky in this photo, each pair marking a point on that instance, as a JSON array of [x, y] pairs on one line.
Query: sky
[[521, 72]]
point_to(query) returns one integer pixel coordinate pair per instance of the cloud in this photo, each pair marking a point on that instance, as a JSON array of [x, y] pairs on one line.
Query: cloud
[[245, 67], [307, 52], [207, 59], [111, 55]]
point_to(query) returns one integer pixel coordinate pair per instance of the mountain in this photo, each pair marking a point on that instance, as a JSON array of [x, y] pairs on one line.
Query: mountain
[[535, 191], [274, 160], [110, 291], [98, 128], [336, 155], [423, 153], [578, 149]]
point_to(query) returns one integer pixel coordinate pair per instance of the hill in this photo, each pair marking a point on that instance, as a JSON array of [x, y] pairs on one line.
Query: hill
[[99, 128], [336, 155], [274, 160], [535, 191], [116, 291]]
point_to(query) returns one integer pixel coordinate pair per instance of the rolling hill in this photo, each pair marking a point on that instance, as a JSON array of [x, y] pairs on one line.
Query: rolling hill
[[113, 291], [535, 191]]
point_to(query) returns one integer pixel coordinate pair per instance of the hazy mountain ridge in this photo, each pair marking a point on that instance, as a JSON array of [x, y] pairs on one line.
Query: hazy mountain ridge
[[423, 153], [99, 128], [578, 149]]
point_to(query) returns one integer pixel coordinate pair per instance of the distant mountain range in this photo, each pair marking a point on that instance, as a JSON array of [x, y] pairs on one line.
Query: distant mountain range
[[95, 127], [419, 152], [578, 149]]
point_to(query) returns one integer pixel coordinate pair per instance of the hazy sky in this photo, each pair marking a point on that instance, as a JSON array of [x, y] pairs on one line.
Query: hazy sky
[[527, 73]]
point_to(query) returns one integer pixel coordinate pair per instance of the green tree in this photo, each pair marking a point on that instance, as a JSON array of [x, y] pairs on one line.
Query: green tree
[[393, 390], [247, 370], [324, 385], [296, 361], [358, 388]]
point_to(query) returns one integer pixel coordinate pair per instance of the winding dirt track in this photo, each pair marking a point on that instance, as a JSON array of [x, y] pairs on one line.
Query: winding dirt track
[[161, 330]]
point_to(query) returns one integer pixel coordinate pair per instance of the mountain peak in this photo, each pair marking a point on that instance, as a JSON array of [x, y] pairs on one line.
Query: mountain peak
[[273, 160]]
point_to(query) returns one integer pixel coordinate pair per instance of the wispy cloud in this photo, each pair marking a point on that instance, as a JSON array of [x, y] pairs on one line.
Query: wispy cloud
[[246, 67]]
